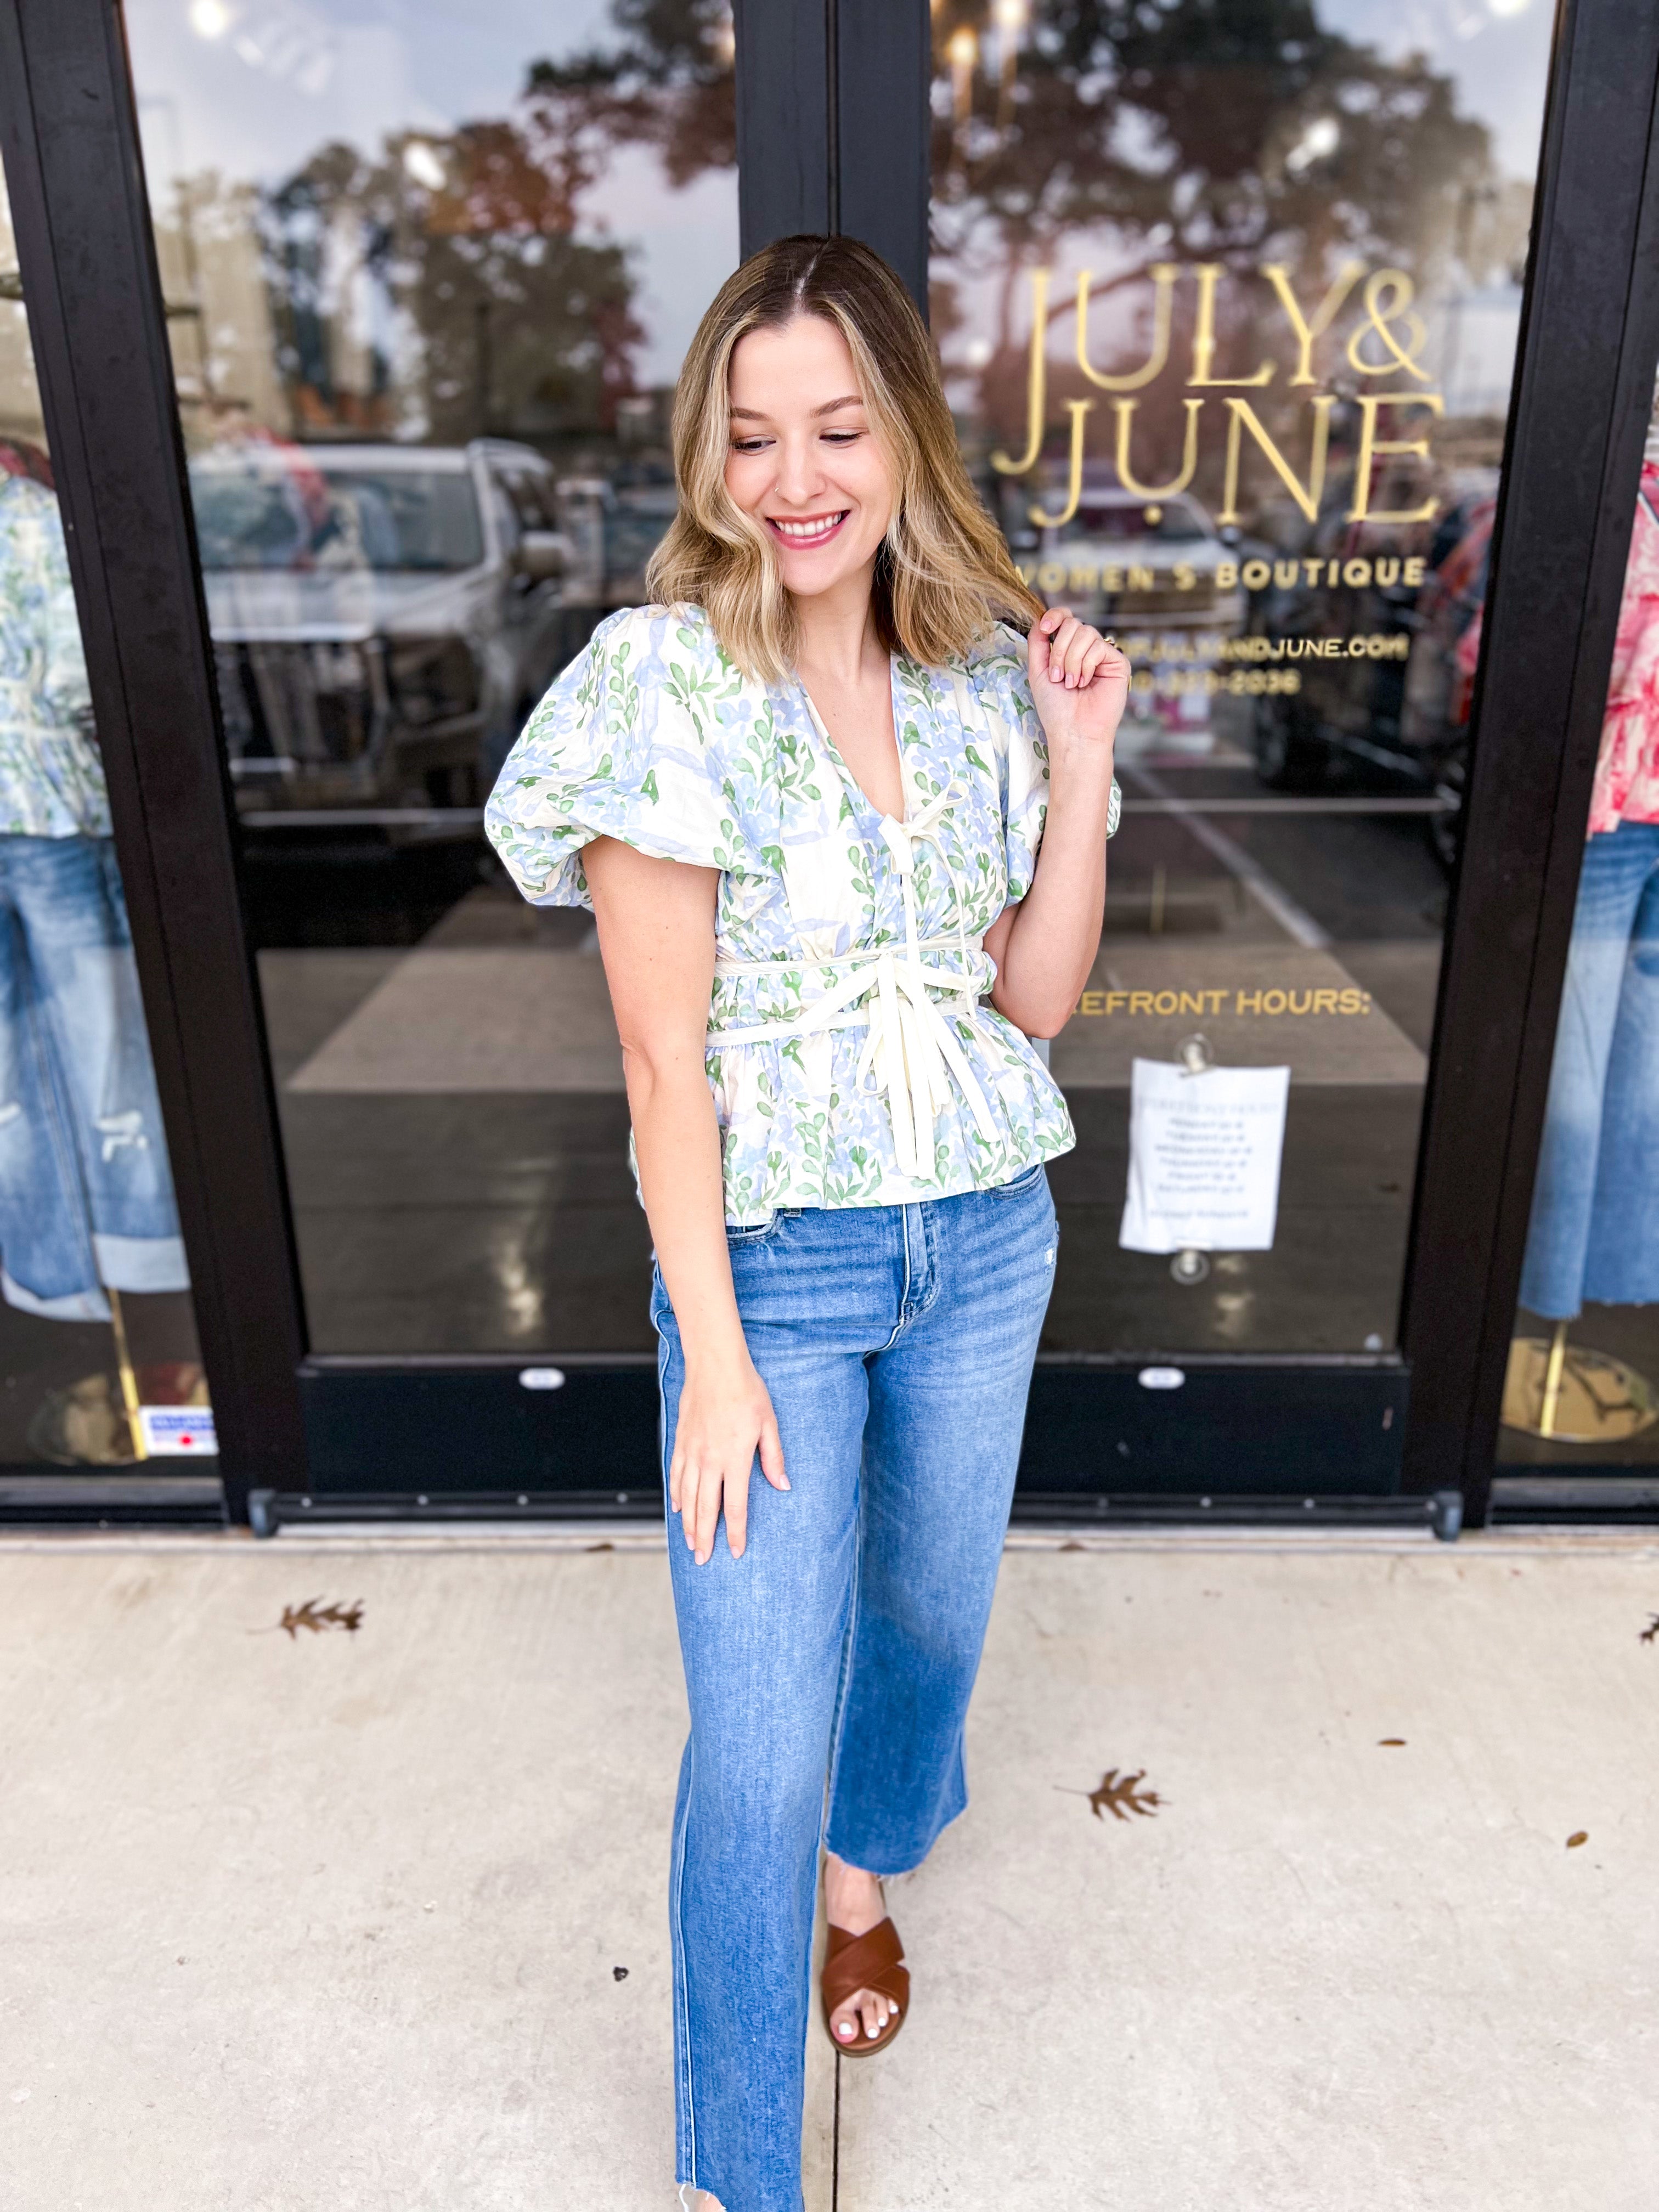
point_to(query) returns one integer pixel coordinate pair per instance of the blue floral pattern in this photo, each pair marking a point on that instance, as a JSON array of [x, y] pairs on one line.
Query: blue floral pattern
[[52, 781], [653, 736]]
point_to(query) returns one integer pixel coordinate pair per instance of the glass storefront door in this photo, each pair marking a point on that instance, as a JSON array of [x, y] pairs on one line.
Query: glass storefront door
[[98, 1364], [1228, 304], [428, 273]]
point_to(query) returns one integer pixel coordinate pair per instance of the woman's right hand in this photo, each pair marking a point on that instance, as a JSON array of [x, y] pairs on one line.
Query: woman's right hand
[[725, 1419]]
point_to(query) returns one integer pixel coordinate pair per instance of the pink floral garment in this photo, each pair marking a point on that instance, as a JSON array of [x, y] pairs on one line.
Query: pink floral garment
[[1627, 788]]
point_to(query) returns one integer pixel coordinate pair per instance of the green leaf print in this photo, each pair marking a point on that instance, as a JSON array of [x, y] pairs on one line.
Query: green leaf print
[[863, 880], [648, 786], [623, 689]]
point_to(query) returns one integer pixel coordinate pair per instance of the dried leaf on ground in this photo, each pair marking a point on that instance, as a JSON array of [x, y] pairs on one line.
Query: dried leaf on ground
[[1650, 1633], [1391, 1743], [318, 1618], [1578, 1836], [1120, 1794]]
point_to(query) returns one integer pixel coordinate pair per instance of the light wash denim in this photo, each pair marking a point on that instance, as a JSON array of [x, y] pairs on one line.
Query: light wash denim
[[1595, 1227], [86, 1198], [830, 1669]]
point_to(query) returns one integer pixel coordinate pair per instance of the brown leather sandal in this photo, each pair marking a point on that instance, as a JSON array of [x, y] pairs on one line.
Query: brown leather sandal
[[870, 1961]]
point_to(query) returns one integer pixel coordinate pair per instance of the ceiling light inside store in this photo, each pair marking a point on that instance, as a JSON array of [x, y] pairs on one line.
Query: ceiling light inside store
[[421, 163], [1509, 7], [1011, 17], [211, 19], [1321, 138]]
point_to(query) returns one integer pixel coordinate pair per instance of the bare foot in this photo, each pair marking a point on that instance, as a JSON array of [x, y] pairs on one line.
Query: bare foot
[[853, 1900]]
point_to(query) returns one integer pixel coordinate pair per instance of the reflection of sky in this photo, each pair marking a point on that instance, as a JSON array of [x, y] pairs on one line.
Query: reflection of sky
[[283, 77], [1498, 57]]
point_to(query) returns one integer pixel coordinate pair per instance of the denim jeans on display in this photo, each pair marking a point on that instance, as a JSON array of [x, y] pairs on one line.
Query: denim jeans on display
[[86, 1198], [830, 1669], [1595, 1227]]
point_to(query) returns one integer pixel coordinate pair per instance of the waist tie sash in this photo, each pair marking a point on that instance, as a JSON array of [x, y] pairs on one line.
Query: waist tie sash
[[911, 1045]]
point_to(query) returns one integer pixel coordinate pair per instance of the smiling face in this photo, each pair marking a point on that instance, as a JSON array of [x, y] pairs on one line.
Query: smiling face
[[803, 460]]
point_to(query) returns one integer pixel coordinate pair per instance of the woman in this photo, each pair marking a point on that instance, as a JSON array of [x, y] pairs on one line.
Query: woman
[[805, 794]]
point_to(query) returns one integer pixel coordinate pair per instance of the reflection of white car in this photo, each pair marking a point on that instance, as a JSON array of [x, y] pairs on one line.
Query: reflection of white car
[[383, 617], [1122, 559]]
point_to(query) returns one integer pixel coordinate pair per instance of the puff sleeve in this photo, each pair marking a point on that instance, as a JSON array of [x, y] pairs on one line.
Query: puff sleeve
[[625, 744], [1000, 678]]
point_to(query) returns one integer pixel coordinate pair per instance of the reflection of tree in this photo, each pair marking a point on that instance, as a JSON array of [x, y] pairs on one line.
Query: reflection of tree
[[438, 291], [1230, 131], [668, 84], [439, 288]]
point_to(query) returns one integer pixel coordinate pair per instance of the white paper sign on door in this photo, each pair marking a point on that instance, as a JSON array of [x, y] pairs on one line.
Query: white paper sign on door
[[178, 1432], [1204, 1155]]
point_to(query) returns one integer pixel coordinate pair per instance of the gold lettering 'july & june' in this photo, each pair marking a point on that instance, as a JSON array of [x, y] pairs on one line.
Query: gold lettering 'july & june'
[[1388, 342]]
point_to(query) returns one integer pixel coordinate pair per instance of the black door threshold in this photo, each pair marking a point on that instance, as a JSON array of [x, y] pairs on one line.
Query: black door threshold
[[269, 1510], [1589, 1500], [112, 1501]]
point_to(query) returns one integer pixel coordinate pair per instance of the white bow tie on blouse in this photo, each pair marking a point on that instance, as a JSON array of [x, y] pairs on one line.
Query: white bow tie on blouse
[[911, 1045]]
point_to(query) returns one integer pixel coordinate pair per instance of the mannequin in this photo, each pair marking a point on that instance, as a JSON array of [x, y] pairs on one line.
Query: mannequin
[[87, 1207], [1594, 1232]]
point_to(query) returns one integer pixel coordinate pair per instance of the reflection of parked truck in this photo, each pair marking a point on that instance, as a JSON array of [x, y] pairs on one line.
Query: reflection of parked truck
[[384, 616]]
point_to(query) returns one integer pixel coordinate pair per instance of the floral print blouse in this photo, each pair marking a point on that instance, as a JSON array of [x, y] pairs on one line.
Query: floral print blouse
[[1627, 788], [852, 1053], [52, 781]]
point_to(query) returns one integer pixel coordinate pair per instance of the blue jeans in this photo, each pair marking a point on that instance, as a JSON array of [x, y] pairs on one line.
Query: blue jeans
[[86, 1198], [830, 1669], [1595, 1227]]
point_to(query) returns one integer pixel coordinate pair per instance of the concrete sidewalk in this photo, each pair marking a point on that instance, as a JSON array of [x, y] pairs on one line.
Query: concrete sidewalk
[[374, 1921]]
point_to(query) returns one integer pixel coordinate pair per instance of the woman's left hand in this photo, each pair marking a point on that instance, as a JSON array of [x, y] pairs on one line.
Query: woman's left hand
[[1079, 680]]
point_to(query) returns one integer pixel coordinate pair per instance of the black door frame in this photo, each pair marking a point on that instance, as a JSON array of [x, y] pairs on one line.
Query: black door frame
[[1589, 351], [69, 141], [833, 133]]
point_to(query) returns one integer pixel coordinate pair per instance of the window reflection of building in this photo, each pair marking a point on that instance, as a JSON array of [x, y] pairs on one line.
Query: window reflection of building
[[419, 281], [429, 288]]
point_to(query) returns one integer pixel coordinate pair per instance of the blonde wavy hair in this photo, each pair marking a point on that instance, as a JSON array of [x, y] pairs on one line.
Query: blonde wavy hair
[[943, 575]]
